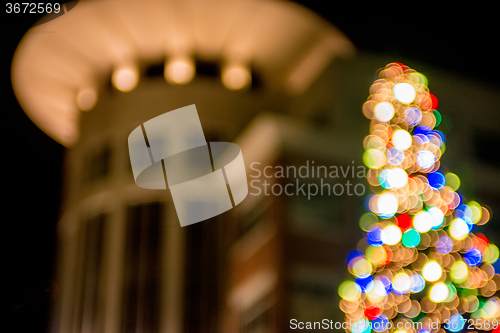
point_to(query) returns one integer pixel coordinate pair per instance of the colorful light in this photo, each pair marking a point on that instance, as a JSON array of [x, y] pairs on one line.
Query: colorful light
[[459, 271], [364, 284], [374, 237], [413, 116], [395, 156], [444, 245], [436, 180], [348, 290], [419, 229], [456, 323], [473, 257], [411, 238], [417, 283]]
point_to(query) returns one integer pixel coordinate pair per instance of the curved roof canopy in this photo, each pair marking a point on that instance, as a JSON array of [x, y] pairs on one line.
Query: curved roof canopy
[[60, 66]]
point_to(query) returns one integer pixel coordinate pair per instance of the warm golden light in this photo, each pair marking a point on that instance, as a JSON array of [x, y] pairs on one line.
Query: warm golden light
[[86, 99], [236, 77], [125, 78], [179, 71]]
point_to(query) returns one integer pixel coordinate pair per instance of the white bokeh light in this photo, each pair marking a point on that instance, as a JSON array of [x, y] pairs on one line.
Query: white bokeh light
[[384, 111], [404, 92], [459, 229], [397, 178], [439, 292], [387, 205], [432, 271], [391, 235], [437, 216], [422, 222], [425, 159], [401, 139]]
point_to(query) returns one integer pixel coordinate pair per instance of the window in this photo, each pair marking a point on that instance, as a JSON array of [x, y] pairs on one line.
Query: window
[[140, 309], [89, 302]]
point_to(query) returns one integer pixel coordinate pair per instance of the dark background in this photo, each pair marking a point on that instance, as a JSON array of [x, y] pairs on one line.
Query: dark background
[[456, 41]]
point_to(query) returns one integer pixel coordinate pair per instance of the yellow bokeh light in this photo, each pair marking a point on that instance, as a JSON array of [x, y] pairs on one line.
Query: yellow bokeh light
[[491, 254], [452, 181], [374, 158], [348, 291], [476, 210], [459, 271], [362, 268]]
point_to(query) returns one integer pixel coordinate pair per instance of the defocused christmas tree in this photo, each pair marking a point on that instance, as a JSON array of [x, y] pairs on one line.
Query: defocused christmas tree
[[421, 267]]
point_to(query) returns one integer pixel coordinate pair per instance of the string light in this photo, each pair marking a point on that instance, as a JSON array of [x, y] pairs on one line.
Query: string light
[[421, 237]]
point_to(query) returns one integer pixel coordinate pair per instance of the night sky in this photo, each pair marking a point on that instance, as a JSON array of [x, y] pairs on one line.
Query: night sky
[[454, 42]]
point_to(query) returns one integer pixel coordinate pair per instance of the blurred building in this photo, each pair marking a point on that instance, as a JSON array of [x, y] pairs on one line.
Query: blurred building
[[270, 76], [125, 264]]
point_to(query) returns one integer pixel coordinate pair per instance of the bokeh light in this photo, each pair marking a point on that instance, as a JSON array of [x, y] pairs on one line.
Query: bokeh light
[[391, 235], [404, 92], [236, 77], [439, 292], [384, 112], [421, 260], [401, 139], [179, 71], [125, 78], [432, 271]]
